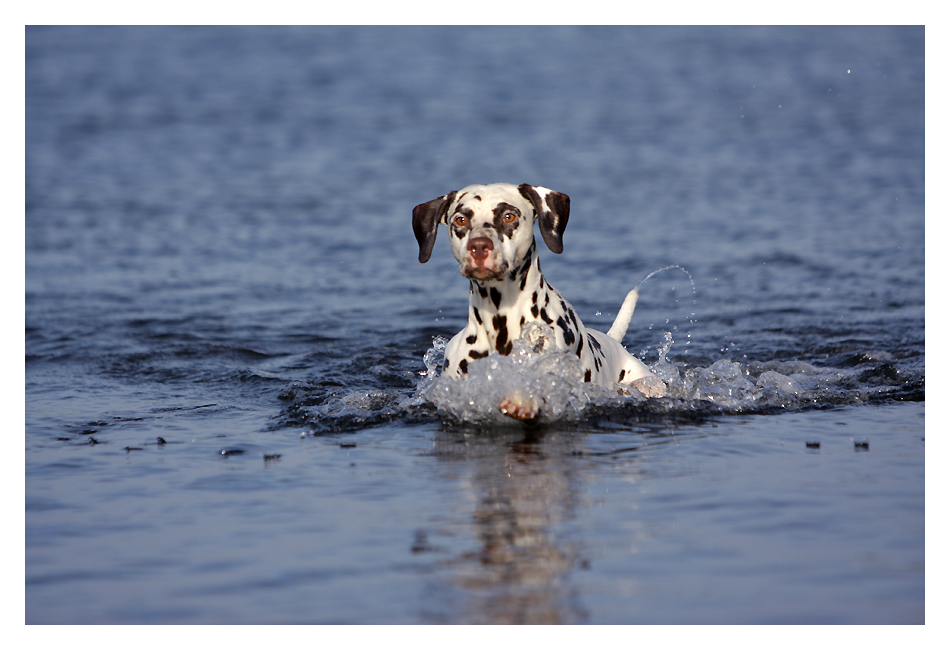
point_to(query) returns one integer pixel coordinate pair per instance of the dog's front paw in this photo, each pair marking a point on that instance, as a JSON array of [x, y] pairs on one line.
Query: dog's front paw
[[650, 386], [520, 407]]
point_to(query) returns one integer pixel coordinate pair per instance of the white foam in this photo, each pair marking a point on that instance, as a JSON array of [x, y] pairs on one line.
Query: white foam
[[554, 377], [535, 368]]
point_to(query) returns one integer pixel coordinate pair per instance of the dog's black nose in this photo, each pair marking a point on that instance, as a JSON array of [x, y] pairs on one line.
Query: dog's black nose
[[480, 247]]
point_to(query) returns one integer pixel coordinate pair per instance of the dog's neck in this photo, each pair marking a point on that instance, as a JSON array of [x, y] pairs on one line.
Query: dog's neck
[[501, 307]]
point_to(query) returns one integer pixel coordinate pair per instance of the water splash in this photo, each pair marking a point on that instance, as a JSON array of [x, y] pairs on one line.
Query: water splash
[[536, 368], [434, 357], [692, 314], [554, 377], [667, 268]]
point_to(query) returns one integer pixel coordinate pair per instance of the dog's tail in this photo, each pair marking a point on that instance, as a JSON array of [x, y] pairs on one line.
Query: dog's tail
[[619, 328]]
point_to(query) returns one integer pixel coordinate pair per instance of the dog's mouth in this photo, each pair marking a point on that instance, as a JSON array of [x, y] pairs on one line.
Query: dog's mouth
[[481, 271]]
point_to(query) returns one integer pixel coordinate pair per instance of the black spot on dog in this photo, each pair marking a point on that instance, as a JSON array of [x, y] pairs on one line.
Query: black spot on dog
[[580, 346], [506, 230], [478, 316], [566, 329], [544, 316], [587, 375], [463, 366], [622, 373], [495, 297], [594, 345], [500, 323], [570, 314], [598, 352], [471, 338], [526, 266], [461, 231], [527, 262], [478, 354]]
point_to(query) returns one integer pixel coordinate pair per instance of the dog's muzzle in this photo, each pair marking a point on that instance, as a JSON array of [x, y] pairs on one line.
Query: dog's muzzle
[[481, 263]]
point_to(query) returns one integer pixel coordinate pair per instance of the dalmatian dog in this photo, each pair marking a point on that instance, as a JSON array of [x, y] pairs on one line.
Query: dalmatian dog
[[491, 230]]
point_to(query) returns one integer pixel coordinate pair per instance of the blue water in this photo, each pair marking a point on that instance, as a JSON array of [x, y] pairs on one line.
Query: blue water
[[228, 412]]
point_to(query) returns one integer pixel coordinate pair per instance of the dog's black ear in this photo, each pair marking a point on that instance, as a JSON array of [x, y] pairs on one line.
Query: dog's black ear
[[425, 223], [553, 210]]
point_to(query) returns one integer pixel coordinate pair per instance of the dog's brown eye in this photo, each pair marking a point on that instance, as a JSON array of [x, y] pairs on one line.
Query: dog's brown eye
[[510, 217], [460, 220]]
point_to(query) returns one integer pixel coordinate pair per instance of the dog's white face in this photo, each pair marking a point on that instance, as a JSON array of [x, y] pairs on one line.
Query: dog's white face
[[490, 229], [491, 226]]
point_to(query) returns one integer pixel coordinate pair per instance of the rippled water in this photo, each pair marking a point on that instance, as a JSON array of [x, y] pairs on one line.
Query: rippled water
[[233, 409]]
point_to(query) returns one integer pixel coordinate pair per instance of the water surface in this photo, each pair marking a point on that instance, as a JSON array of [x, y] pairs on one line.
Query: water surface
[[228, 412]]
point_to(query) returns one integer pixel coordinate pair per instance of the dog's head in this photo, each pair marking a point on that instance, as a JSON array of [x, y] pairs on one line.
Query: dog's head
[[491, 226]]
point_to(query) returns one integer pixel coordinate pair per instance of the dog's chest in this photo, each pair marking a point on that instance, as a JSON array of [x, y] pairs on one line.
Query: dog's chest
[[497, 316]]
